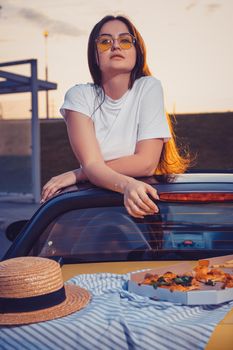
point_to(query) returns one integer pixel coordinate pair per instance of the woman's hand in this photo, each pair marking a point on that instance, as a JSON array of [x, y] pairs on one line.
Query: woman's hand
[[57, 183], [137, 201]]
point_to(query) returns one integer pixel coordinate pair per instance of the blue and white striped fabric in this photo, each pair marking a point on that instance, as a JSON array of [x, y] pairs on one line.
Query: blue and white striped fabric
[[116, 319]]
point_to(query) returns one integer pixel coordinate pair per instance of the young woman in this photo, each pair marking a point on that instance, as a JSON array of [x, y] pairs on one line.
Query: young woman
[[117, 126]]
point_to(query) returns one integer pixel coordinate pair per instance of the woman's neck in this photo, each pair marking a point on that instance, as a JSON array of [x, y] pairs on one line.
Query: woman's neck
[[116, 86]]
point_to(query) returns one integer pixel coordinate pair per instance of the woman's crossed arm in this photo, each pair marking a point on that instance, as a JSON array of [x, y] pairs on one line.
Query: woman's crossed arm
[[116, 175]]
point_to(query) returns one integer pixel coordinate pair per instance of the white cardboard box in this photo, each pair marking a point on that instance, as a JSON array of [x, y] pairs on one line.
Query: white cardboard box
[[205, 296]]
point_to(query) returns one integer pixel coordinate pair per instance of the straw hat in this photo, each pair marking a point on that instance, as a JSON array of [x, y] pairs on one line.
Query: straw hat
[[32, 290]]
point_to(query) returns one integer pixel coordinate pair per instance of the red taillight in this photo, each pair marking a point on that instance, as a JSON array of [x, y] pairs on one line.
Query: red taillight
[[196, 197], [188, 242]]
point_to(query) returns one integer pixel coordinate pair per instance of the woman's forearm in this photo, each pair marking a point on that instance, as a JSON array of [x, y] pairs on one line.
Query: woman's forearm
[[103, 176], [143, 162], [136, 193], [132, 165]]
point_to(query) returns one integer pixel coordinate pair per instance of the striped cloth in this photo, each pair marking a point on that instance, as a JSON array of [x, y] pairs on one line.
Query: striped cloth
[[116, 319]]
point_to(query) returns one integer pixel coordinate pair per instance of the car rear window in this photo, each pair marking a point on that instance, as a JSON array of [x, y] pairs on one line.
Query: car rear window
[[179, 231]]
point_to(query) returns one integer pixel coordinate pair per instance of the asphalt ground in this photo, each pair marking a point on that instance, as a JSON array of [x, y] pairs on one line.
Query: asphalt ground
[[11, 211]]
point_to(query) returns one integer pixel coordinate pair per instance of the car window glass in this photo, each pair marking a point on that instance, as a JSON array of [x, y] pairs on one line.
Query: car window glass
[[109, 233]]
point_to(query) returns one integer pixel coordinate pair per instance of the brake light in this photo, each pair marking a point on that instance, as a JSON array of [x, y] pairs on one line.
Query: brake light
[[188, 242], [196, 197]]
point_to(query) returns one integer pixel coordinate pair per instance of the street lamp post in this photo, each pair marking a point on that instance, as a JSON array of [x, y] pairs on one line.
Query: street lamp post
[[46, 34]]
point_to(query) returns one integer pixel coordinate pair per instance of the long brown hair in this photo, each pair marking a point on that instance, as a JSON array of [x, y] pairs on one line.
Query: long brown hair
[[171, 161]]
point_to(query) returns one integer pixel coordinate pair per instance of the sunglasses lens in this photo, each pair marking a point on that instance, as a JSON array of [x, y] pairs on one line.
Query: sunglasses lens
[[104, 43], [125, 42]]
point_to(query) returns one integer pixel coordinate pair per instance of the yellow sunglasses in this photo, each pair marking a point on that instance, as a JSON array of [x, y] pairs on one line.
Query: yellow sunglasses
[[105, 42]]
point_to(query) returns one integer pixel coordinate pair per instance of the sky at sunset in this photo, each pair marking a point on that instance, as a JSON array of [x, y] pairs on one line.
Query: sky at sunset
[[189, 46]]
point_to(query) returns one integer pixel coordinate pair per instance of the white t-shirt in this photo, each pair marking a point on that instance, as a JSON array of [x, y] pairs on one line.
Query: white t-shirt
[[120, 124]]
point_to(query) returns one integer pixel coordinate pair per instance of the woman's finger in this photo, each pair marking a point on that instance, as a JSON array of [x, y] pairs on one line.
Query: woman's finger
[[149, 203], [141, 202], [133, 213], [147, 200], [56, 183], [46, 188], [52, 186], [49, 192], [152, 191], [136, 208], [132, 208]]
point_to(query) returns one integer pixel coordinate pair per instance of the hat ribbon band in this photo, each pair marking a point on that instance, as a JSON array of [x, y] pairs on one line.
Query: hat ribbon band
[[38, 302]]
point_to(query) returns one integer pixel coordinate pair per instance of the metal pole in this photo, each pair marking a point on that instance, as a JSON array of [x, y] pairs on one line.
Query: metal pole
[[35, 132], [46, 34]]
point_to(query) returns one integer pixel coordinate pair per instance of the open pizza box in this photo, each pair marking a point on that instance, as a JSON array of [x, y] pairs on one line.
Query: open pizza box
[[206, 295]]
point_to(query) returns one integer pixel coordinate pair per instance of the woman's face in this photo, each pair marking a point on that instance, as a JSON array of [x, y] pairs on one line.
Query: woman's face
[[115, 60]]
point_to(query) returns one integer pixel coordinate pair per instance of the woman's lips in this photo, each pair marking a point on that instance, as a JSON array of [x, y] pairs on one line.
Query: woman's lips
[[117, 56]]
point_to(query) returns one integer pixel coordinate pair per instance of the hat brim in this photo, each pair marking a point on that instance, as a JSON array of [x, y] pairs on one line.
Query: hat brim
[[76, 299]]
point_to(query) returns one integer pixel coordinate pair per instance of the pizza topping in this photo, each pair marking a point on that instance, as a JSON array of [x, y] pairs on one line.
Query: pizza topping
[[202, 273], [171, 281], [211, 275]]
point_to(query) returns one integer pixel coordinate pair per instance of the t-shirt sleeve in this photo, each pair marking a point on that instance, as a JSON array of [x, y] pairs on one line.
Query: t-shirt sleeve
[[76, 100], [152, 120]]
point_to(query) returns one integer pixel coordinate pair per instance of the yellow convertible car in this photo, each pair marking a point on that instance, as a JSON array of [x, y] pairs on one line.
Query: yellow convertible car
[[88, 231]]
